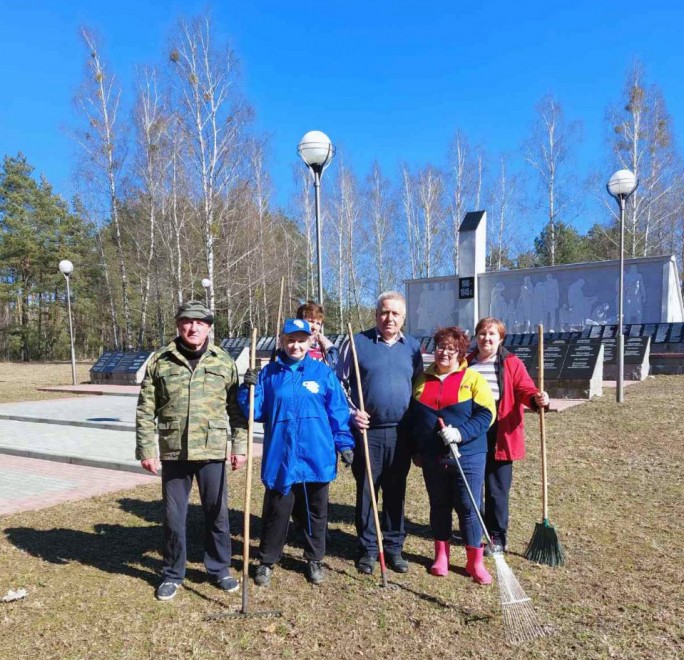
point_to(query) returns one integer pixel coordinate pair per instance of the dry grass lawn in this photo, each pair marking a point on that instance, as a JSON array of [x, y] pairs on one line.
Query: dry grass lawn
[[18, 381], [615, 498]]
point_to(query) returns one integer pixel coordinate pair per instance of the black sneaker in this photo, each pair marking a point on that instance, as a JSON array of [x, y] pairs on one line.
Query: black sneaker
[[167, 590], [228, 584], [365, 564], [262, 577], [314, 572], [397, 563]]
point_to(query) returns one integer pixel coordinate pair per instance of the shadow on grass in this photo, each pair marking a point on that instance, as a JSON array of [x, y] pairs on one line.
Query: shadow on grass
[[110, 548], [126, 549]]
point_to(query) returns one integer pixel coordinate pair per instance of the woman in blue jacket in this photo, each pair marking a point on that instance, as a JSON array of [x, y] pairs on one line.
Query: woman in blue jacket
[[306, 420]]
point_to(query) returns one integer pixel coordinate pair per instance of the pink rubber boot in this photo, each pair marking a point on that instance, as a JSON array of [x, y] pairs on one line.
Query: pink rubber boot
[[475, 566], [441, 565]]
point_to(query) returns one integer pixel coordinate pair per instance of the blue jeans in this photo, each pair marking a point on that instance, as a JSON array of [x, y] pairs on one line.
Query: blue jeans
[[177, 477], [446, 492]]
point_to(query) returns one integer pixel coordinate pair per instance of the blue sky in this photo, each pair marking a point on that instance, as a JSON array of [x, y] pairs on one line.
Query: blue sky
[[390, 81]]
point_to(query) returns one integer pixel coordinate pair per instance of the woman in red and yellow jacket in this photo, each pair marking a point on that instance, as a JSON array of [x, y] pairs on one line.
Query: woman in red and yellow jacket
[[513, 389], [449, 393]]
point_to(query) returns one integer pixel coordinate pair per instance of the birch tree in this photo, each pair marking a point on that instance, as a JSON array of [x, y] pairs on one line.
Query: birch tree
[[641, 140], [151, 123], [213, 119], [424, 212], [548, 151], [465, 177], [105, 153], [412, 218], [380, 229], [502, 204]]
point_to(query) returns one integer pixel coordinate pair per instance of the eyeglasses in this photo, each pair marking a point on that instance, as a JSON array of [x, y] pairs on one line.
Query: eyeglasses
[[449, 350]]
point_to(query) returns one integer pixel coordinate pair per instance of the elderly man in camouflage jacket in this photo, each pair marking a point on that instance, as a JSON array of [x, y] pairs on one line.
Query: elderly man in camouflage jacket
[[188, 388]]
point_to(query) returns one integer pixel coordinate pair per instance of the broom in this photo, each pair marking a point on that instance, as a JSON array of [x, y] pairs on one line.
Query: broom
[[544, 547]]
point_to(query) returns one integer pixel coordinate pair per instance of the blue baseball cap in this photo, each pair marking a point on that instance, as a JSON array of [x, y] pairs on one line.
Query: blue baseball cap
[[296, 325]]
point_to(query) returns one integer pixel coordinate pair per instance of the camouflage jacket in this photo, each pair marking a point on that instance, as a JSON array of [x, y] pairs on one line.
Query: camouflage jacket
[[189, 407]]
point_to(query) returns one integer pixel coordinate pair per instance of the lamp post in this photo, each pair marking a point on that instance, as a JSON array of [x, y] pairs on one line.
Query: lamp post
[[621, 185], [316, 150], [66, 268], [206, 283]]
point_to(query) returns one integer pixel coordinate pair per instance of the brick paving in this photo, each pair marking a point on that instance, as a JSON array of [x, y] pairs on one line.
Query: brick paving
[[28, 484]]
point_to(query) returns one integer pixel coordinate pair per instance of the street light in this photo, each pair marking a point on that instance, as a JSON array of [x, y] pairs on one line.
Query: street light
[[621, 185], [316, 150], [206, 283], [66, 268]]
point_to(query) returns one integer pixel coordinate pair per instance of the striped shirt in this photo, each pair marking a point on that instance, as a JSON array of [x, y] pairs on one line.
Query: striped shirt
[[488, 370]]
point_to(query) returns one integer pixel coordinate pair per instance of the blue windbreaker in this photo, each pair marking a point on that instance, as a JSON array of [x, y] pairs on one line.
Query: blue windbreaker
[[306, 419]]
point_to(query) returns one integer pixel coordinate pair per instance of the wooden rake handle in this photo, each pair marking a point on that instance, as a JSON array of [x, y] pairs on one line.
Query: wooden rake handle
[[248, 478], [542, 423], [369, 473]]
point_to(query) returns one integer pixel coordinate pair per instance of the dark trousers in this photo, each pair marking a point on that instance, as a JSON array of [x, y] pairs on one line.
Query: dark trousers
[[177, 477], [309, 502], [498, 480], [390, 460], [446, 492]]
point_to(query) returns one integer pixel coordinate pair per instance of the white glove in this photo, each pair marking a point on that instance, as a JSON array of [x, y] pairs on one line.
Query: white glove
[[450, 435]]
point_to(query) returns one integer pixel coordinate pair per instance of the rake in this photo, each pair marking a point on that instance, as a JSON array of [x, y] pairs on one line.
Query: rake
[[369, 473], [244, 610], [544, 546], [521, 623]]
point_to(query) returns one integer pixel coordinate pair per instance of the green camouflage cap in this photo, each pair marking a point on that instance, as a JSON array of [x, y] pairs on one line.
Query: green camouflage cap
[[194, 309]]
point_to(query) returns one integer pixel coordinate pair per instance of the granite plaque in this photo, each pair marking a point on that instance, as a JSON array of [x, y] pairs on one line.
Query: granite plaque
[[112, 363], [676, 331], [595, 331], [585, 333], [609, 351], [102, 361], [234, 351], [609, 331], [635, 330], [650, 330], [131, 362], [635, 349], [662, 332], [580, 362], [528, 354], [466, 288], [554, 357]]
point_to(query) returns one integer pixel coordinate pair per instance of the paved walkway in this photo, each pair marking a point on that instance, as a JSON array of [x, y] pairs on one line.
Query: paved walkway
[[89, 388], [66, 449], [29, 484]]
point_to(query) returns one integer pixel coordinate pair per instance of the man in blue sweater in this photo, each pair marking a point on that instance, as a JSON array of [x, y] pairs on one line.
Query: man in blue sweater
[[388, 363]]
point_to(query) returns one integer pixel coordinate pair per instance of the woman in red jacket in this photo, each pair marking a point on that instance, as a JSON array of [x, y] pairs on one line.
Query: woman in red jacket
[[512, 388]]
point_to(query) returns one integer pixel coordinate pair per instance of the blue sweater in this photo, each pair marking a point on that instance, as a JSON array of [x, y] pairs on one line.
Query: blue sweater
[[387, 373]]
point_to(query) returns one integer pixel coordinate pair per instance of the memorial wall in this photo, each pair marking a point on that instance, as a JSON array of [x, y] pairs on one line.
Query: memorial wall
[[563, 298]]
